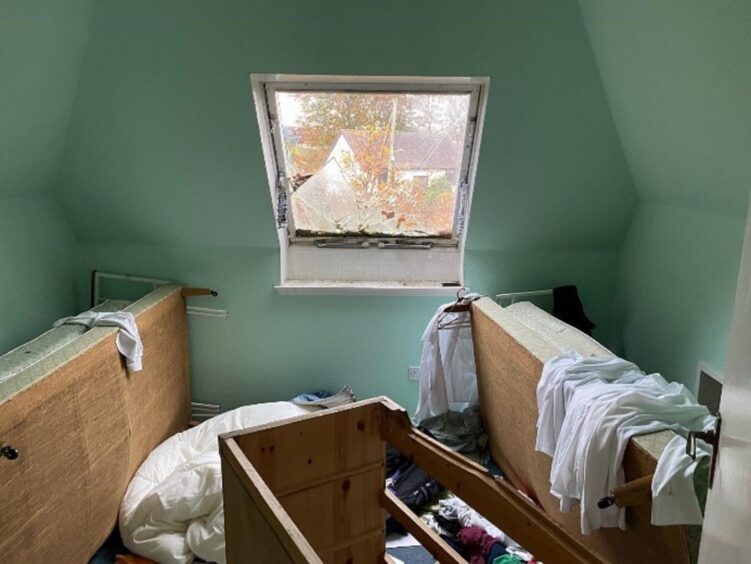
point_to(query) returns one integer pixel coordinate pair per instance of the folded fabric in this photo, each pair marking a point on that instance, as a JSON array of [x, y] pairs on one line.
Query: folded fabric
[[326, 399], [128, 341], [589, 408]]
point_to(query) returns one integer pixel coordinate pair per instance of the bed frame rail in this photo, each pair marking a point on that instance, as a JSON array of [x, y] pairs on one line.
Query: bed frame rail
[[310, 489]]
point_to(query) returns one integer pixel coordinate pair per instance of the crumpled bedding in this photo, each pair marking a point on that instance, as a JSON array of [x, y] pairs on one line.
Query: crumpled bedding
[[172, 511]]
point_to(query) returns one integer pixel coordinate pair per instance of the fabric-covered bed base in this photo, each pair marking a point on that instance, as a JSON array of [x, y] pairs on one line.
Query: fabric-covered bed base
[[511, 347], [82, 429], [37, 350]]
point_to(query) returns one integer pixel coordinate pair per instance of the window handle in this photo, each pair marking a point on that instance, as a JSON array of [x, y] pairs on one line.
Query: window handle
[[355, 244], [421, 246]]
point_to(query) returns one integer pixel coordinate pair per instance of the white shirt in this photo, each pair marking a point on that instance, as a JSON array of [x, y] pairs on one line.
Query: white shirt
[[447, 375], [589, 408]]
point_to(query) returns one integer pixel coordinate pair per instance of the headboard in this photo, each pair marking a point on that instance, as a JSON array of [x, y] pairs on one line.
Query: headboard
[[510, 352], [83, 428]]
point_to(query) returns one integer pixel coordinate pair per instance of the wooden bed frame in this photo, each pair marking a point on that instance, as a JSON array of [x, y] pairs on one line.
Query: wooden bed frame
[[83, 429], [310, 490]]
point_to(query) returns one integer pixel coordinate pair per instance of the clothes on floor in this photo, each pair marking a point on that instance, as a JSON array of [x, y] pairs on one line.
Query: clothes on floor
[[325, 399], [478, 544], [508, 559], [128, 341], [447, 367], [589, 408], [454, 508], [568, 308], [461, 432], [496, 551], [408, 482]]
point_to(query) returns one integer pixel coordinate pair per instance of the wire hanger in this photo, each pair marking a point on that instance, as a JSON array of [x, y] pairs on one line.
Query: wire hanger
[[461, 305]]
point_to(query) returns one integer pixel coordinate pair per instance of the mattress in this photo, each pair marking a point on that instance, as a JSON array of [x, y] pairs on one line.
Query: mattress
[[560, 337], [36, 351]]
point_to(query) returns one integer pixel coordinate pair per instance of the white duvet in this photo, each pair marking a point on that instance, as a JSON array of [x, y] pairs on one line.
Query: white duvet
[[172, 511]]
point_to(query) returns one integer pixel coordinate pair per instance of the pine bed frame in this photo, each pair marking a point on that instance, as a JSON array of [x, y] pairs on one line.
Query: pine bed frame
[[310, 490]]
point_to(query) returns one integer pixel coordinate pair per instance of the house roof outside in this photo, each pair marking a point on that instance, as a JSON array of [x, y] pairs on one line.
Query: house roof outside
[[413, 150]]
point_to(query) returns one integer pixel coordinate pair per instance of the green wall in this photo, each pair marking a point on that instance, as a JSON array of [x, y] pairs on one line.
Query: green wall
[[678, 274], [137, 119], [272, 346], [41, 48], [36, 268], [678, 81], [163, 172]]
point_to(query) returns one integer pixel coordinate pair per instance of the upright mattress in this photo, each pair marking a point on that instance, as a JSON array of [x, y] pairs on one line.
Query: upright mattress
[[39, 349], [562, 337], [512, 345]]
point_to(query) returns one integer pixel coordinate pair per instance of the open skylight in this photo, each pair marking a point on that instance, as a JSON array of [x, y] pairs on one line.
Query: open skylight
[[373, 164], [362, 165]]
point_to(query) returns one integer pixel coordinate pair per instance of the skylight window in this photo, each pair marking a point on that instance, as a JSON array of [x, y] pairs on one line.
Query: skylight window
[[371, 163]]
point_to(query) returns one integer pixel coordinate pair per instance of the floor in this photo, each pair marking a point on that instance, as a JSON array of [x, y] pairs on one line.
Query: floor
[[412, 555], [114, 546], [111, 547]]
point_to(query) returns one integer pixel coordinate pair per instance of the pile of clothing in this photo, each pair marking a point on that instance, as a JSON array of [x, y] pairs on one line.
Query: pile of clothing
[[472, 536]]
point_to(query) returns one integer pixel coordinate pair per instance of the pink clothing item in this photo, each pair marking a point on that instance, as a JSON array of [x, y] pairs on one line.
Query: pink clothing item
[[477, 542]]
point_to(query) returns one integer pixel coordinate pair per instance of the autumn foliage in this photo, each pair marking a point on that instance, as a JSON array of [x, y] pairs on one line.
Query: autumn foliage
[[390, 199]]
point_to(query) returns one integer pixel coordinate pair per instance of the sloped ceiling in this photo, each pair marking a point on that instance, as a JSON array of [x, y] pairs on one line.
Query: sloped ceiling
[[164, 147], [42, 45], [678, 79]]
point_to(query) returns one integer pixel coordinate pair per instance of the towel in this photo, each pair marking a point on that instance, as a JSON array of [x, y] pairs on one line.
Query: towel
[[128, 340]]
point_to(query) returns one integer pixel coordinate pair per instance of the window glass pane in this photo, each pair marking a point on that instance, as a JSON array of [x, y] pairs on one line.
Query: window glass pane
[[373, 164]]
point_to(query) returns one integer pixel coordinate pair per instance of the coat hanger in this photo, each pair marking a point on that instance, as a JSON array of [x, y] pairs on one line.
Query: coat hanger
[[462, 304]]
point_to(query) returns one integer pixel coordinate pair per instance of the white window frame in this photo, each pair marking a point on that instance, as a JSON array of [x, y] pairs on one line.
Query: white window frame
[[368, 265]]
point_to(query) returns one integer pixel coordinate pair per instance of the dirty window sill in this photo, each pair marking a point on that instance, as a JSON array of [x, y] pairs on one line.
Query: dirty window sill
[[331, 288]]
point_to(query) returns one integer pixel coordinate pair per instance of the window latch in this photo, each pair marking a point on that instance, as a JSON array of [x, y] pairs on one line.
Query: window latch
[[354, 244], [413, 245]]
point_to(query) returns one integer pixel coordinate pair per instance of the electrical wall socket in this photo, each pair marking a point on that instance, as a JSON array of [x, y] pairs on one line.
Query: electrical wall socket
[[413, 373]]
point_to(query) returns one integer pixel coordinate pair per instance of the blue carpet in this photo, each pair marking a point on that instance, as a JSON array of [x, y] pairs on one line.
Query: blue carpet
[[412, 555]]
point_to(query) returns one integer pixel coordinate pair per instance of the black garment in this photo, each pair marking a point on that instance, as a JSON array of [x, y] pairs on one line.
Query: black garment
[[410, 483], [568, 307]]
